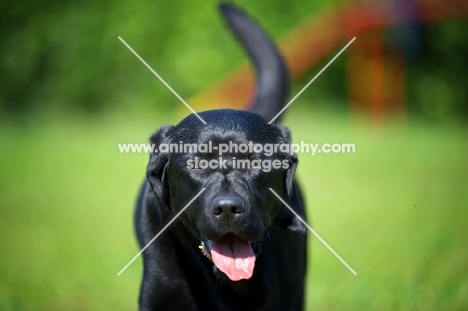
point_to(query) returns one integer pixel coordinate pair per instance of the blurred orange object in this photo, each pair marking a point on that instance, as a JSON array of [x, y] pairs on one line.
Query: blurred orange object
[[377, 71]]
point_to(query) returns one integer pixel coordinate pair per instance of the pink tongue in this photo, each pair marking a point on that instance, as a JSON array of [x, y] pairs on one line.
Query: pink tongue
[[234, 257]]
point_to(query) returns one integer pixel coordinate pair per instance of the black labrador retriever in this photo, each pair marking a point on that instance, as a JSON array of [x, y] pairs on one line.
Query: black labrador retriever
[[236, 246]]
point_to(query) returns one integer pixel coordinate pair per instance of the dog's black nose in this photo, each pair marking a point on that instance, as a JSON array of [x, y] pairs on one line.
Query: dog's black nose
[[227, 208]]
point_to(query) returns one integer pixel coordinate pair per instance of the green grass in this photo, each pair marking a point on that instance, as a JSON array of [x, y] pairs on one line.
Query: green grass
[[396, 211]]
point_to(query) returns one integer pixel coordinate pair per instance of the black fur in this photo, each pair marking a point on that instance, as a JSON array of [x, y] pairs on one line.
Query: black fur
[[177, 276]]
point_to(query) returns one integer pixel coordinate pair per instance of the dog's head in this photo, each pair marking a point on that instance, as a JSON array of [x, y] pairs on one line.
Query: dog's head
[[236, 208]]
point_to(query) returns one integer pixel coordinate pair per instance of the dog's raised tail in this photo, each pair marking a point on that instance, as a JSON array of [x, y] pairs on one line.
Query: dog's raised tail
[[272, 76]]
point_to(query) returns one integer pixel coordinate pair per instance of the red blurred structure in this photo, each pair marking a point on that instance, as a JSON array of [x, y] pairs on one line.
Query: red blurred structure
[[376, 73]]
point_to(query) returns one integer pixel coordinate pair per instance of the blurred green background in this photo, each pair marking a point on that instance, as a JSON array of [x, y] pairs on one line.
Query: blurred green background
[[396, 210]]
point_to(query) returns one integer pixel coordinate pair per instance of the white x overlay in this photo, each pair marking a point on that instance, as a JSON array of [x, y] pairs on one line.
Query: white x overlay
[[315, 233], [203, 189], [310, 82], [160, 232], [162, 80]]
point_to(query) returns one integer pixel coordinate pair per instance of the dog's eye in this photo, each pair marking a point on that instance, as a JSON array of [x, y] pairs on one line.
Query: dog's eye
[[255, 156], [193, 164]]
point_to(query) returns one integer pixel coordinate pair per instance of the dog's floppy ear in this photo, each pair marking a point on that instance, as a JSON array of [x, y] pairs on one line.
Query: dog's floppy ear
[[286, 219], [293, 160], [158, 163]]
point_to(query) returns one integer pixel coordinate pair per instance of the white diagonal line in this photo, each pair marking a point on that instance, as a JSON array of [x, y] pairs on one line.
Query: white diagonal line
[[160, 232], [315, 233], [162, 80], [310, 82]]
